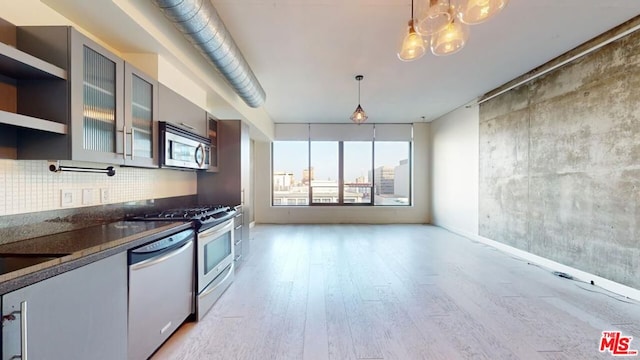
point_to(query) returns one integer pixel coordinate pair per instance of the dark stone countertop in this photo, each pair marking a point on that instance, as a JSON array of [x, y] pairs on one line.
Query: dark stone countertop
[[81, 247]]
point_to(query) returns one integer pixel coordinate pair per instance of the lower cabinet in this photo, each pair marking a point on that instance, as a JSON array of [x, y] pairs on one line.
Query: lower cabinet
[[80, 314], [237, 236]]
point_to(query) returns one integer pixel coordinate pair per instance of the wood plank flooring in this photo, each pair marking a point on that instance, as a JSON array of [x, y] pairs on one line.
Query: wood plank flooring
[[398, 292]]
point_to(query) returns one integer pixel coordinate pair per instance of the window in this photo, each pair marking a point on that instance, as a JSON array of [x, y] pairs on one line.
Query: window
[[391, 173], [358, 158], [324, 172], [342, 165], [291, 173]]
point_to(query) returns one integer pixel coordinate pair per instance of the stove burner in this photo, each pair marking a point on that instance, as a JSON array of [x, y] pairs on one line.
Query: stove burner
[[201, 216]]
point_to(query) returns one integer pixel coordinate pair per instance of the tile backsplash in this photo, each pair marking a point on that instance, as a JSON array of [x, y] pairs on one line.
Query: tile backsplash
[[29, 186]]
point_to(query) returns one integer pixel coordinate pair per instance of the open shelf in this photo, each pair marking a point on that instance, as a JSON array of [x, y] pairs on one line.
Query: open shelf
[[29, 122], [20, 65]]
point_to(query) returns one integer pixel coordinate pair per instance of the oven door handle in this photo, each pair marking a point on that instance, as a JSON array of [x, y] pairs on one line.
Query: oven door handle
[[157, 260], [218, 283]]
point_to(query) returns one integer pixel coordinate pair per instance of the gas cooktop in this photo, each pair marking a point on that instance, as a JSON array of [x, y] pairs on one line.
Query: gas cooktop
[[206, 215]]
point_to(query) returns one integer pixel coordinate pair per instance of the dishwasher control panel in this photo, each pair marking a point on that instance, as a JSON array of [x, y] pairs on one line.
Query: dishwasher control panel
[[160, 247]]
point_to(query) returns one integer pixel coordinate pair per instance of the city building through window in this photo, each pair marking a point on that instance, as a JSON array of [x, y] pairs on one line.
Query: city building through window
[[341, 173]]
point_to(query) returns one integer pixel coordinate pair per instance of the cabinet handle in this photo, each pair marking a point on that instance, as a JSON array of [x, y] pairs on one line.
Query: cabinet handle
[[23, 330], [238, 227], [187, 126], [133, 142], [124, 143]]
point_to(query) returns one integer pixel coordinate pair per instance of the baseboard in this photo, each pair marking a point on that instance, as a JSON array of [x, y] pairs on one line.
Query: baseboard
[[606, 284]]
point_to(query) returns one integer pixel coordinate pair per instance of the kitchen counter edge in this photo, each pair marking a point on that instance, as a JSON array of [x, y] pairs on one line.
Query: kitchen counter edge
[[39, 272]]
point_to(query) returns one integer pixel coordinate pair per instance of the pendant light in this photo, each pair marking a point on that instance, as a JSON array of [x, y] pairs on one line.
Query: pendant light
[[444, 23], [434, 16], [359, 116], [477, 11], [412, 45], [451, 39]]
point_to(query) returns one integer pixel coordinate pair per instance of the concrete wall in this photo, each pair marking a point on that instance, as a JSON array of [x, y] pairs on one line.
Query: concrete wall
[[454, 172], [418, 213], [560, 164]]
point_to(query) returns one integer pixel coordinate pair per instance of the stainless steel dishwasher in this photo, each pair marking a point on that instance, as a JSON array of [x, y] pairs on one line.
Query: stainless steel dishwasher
[[161, 285]]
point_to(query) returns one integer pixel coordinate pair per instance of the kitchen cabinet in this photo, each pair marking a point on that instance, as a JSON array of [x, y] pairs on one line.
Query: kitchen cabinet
[[16, 69], [212, 123], [140, 130], [238, 226], [90, 102], [176, 109], [231, 184], [80, 314], [106, 108]]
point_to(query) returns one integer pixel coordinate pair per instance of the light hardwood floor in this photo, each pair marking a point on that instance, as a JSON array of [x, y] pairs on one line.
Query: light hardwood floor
[[398, 292]]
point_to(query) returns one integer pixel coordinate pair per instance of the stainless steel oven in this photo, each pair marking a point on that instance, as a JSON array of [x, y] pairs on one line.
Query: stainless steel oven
[[214, 265], [180, 148]]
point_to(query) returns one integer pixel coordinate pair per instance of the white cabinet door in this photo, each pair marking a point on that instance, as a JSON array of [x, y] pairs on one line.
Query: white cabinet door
[[81, 314]]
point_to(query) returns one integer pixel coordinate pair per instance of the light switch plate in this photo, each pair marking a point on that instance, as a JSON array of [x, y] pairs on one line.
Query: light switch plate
[[104, 195], [87, 196], [66, 197]]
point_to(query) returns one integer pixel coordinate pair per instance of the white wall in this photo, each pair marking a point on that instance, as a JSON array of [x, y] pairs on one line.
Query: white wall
[[454, 158], [417, 214]]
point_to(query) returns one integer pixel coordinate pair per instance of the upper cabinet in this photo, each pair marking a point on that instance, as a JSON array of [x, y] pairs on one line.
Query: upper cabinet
[[18, 67], [109, 108], [212, 123], [140, 132], [176, 109]]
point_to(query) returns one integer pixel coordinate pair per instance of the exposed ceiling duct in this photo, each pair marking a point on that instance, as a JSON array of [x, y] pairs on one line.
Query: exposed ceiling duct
[[200, 23]]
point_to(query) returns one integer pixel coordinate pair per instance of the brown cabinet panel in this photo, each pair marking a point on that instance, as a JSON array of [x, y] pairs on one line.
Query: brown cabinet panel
[[176, 109], [231, 184]]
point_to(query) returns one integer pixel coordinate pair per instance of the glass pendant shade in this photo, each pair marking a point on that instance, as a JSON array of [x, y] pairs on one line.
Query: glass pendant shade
[[450, 40], [434, 16], [412, 45], [477, 11], [359, 116]]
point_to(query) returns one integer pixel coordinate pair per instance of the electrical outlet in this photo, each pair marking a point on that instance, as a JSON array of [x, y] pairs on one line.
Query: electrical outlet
[[66, 198], [87, 196], [104, 195]]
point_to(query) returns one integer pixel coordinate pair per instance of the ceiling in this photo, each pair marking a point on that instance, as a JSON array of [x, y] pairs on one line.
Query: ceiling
[[306, 53]]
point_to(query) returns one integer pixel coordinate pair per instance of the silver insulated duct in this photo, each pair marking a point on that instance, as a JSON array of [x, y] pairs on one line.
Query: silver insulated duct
[[200, 23]]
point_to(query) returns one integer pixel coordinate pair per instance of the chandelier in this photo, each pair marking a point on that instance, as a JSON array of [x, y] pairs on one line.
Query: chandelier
[[359, 116], [443, 25]]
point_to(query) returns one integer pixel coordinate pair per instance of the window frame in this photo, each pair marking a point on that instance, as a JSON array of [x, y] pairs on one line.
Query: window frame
[[341, 181]]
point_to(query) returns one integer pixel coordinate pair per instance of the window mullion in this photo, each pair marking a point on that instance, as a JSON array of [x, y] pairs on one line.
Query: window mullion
[[373, 171], [309, 172], [341, 173]]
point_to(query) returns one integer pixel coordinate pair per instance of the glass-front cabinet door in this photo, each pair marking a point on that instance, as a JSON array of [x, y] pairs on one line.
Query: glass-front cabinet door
[[96, 102], [140, 126]]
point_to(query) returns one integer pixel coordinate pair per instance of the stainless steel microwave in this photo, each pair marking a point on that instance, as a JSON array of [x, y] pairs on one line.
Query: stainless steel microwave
[[180, 148]]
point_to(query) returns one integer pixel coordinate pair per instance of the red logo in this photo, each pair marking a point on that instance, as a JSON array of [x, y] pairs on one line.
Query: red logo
[[616, 344]]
